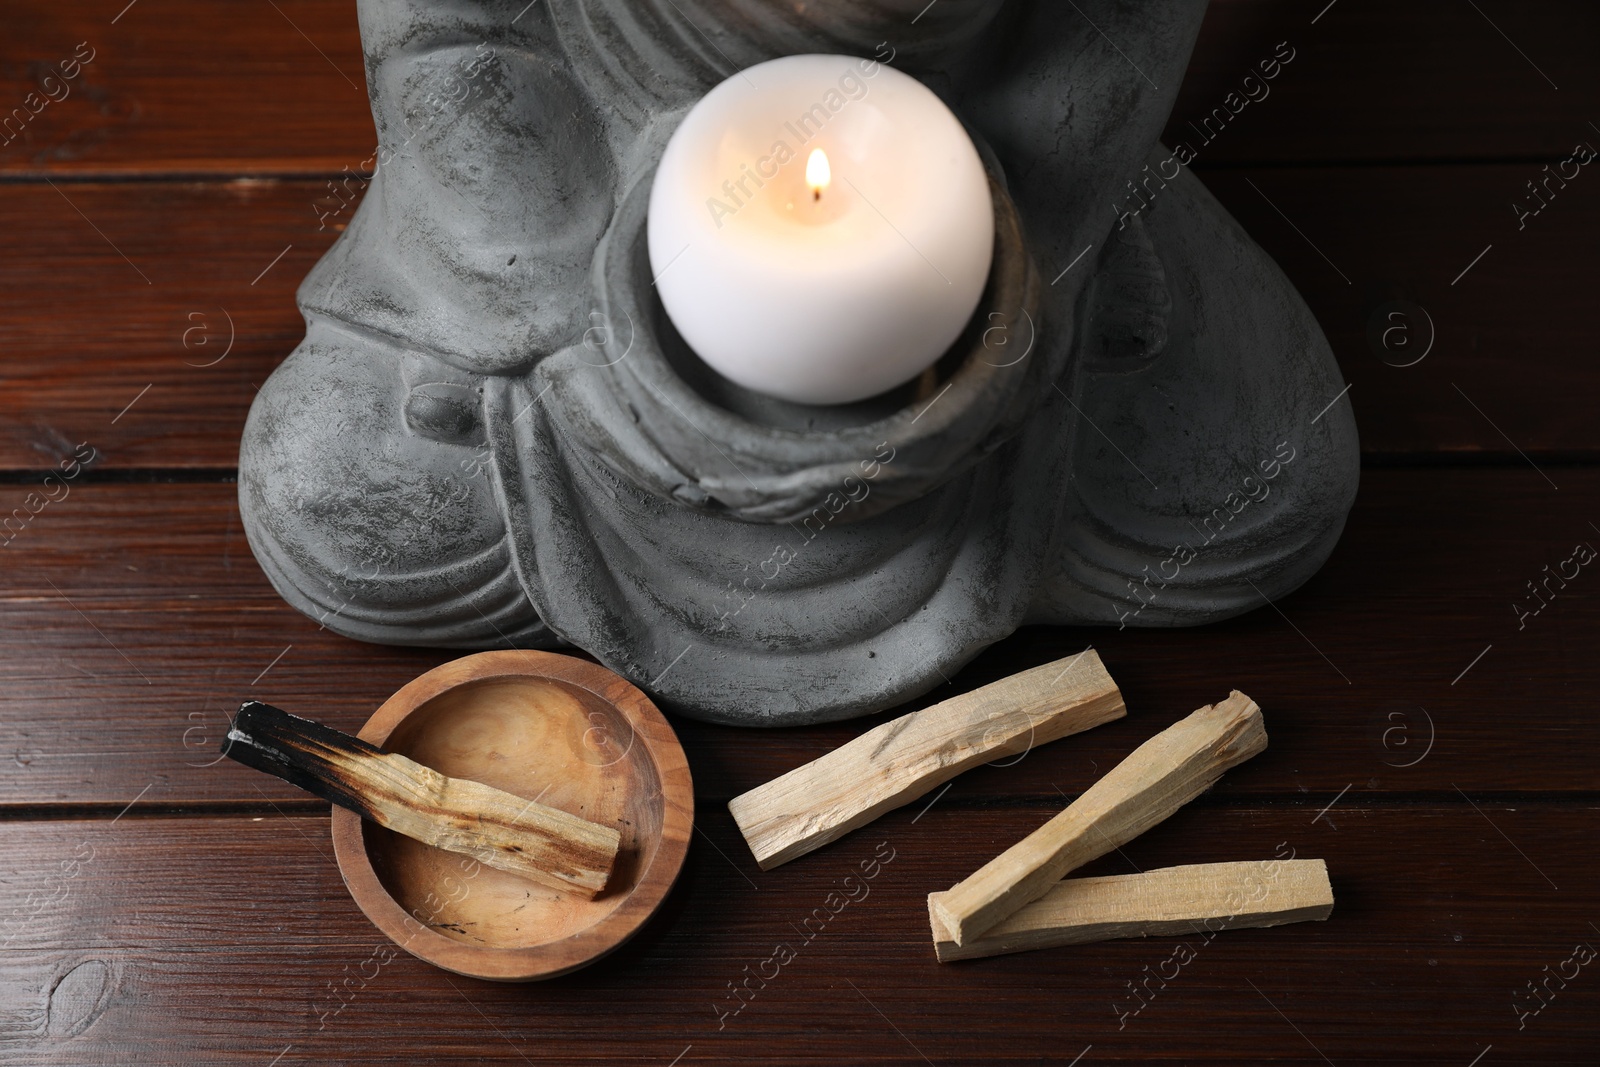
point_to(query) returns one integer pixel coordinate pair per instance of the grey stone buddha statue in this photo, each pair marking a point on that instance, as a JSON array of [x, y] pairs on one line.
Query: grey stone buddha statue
[[492, 436]]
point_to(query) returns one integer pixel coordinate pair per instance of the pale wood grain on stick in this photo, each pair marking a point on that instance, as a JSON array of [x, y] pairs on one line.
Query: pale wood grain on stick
[[1195, 900], [1158, 778], [895, 763], [500, 829]]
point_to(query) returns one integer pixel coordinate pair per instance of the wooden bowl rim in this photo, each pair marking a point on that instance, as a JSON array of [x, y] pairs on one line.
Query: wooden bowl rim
[[555, 958]]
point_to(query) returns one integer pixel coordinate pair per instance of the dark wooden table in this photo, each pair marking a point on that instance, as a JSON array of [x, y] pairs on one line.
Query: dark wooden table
[[1438, 749]]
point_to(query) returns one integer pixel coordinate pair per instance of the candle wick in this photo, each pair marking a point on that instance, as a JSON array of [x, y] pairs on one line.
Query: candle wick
[[816, 194]]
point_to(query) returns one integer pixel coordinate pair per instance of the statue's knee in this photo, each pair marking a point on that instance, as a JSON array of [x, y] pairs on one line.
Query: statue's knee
[[358, 485]]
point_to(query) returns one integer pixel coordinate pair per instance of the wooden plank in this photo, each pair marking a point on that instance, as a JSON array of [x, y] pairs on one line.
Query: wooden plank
[[265, 91], [244, 88], [1397, 233], [1376, 81], [171, 303], [893, 764], [1363, 243], [1144, 789], [1392, 670], [160, 938], [1201, 899]]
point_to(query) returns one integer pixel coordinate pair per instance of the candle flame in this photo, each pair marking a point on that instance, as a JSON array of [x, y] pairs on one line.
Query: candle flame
[[818, 173]]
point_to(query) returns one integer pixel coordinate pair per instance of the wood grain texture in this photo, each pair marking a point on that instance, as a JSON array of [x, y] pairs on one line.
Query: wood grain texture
[[118, 584], [528, 722], [235, 88], [1197, 900], [231, 941], [1360, 243], [905, 758], [492, 826], [1144, 789], [142, 317], [1374, 81]]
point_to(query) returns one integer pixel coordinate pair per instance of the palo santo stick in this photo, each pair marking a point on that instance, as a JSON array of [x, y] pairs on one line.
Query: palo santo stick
[[492, 826], [1198, 899], [899, 761], [1158, 778]]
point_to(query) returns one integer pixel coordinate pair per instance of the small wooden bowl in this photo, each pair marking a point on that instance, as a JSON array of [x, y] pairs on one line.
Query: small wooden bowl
[[551, 728]]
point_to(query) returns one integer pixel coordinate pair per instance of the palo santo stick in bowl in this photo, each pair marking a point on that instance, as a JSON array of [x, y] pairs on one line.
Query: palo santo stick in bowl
[[1158, 778], [492, 826], [899, 761], [1201, 899]]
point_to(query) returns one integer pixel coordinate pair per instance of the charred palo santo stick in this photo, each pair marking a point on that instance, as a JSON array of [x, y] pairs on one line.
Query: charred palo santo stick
[[1202, 899], [492, 826], [1158, 778], [899, 761]]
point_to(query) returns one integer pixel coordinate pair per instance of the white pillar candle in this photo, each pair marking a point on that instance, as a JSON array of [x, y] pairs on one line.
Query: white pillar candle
[[821, 228]]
